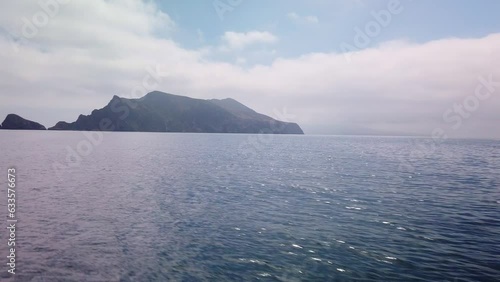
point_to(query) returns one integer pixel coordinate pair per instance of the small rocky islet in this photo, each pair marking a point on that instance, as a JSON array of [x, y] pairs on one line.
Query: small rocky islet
[[163, 112]]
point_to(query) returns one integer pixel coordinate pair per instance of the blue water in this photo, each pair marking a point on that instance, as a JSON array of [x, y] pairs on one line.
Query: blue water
[[207, 207]]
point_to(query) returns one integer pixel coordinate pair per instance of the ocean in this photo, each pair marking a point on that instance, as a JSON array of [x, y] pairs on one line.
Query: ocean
[[223, 207]]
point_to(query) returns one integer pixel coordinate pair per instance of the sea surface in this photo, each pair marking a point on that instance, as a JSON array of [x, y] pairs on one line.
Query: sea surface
[[215, 207]]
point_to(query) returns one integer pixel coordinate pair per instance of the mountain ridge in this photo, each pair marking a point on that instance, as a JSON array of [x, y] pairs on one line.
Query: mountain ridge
[[164, 112]]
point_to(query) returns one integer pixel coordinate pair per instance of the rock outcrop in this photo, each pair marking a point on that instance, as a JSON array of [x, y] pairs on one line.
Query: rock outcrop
[[13, 121]]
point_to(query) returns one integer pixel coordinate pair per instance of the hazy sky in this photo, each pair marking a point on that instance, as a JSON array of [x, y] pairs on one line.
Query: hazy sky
[[335, 67]]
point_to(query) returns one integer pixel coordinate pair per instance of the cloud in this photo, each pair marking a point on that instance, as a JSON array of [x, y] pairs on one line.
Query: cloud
[[77, 63], [236, 40], [303, 19], [241, 60]]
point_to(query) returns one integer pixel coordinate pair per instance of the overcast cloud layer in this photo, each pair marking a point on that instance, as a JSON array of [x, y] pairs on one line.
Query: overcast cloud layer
[[92, 50]]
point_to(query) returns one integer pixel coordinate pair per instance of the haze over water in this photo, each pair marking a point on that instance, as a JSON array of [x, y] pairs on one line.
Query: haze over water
[[208, 207]]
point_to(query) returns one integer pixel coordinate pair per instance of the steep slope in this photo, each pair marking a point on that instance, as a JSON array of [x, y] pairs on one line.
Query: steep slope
[[245, 113], [13, 121], [238, 109], [162, 112]]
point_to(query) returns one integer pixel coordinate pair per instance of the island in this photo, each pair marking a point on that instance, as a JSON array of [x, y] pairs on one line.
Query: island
[[15, 122], [163, 112]]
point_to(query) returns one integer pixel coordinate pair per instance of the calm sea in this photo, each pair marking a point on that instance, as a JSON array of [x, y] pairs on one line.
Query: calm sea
[[209, 207]]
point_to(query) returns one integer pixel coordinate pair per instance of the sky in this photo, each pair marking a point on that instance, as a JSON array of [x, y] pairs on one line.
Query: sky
[[369, 67]]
